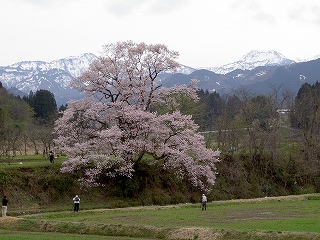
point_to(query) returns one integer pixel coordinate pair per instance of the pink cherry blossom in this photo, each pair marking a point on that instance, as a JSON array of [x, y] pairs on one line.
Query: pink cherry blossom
[[112, 127]]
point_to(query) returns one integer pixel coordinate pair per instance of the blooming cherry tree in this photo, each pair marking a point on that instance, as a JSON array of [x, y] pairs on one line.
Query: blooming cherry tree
[[113, 128]]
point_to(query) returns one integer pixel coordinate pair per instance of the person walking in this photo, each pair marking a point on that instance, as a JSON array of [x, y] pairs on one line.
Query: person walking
[[76, 202], [204, 202], [4, 206]]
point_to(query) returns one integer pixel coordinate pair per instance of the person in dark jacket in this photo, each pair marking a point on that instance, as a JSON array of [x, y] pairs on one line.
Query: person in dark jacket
[[4, 206], [51, 157]]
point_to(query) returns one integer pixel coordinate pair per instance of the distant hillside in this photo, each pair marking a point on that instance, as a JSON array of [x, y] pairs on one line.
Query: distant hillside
[[259, 80], [23, 77], [257, 71]]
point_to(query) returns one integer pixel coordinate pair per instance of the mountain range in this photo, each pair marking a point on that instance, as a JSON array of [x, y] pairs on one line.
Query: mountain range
[[55, 76], [252, 60], [257, 71]]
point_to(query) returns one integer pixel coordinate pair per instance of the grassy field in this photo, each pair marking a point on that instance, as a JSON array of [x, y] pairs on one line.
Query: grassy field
[[285, 218], [13, 235], [18, 161], [291, 217]]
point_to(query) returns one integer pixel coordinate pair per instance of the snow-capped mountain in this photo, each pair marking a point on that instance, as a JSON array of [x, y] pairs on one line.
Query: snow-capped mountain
[[260, 80], [54, 76], [252, 60], [255, 67], [185, 69], [308, 59], [74, 65]]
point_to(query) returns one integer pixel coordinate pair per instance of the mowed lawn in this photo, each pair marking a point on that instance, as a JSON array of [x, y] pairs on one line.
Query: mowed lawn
[[29, 161], [12, 235], [262, 214], [272, 216]]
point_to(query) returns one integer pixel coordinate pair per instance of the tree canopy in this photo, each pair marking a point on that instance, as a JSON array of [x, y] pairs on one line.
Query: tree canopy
[[44, 105], [15, 117], [113, 128]]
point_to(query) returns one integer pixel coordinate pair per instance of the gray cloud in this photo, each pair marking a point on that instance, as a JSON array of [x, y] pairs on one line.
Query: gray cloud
[[297, 12], [159, 6], [249, 5], [254, 10], [316, 14], [125, 7], [262, 16], [46, 3], [306, 12]]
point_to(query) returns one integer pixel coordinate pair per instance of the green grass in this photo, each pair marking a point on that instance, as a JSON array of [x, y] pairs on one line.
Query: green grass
[[14, 235], [271, 216], [291, 217], [287, 218], [19, 161]]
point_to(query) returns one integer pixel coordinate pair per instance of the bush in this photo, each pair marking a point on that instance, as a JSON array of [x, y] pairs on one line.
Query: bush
[[3, 179], [307, 190]]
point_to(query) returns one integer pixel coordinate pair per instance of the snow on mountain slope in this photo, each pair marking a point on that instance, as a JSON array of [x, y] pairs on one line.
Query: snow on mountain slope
[[308, 59], [32, 75], [252, 60], [74, 65], [56, 75]]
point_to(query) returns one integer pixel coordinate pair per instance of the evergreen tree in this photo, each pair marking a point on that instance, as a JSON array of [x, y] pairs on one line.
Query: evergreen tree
[[44, 104]]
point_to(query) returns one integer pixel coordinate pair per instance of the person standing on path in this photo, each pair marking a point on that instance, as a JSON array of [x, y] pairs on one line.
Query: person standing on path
[[204, 202], [76, 202], [4, 206], [51, 157]]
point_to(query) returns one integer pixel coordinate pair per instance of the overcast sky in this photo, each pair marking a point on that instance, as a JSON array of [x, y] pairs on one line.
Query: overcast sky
[[206, 33]]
